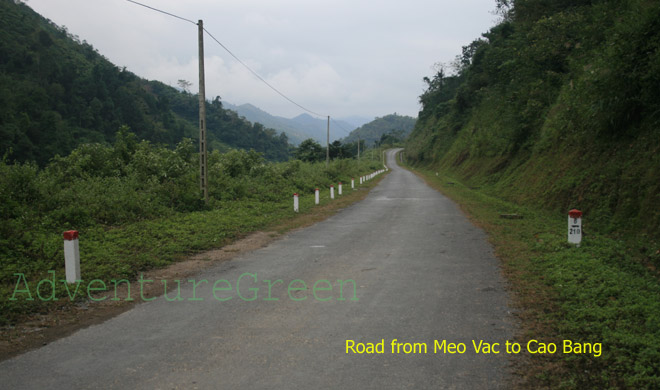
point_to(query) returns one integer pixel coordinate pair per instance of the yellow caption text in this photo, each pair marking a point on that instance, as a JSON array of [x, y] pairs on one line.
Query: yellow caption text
[[475, 346]]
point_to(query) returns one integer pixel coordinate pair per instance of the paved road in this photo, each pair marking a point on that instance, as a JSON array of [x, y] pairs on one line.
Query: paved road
[[422, 273]]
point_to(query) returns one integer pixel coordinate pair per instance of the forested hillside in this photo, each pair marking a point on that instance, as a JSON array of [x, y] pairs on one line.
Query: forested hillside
[[57, 92], [256, 115], [297, 129], [398, 126], [557, 106]]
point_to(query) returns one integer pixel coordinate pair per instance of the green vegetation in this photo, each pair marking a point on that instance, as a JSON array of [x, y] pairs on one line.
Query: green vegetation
[[392, 126], [310, 150], [134, 193], [137, 206], [600, 292], [555, 108], [57, 93]]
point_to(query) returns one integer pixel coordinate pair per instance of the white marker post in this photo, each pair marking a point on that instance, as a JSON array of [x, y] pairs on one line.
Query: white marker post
[[360, 180], [295, 203], [575, 227], [352, 183], [316, 196], [332, 191], [71, 256], [339, 188]]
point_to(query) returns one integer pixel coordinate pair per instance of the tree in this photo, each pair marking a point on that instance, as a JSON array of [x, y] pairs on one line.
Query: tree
[[185, 85], [391, 138], [310, 150]]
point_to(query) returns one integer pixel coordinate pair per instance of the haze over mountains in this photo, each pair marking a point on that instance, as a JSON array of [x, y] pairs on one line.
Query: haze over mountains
[[57, 92], [301, 127]]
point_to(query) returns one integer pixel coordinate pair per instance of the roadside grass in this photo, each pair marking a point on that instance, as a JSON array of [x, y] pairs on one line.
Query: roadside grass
[[125, 251], [605, 291]]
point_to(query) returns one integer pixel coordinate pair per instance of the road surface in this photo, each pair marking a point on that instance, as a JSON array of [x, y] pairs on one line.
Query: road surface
[[402, 264]]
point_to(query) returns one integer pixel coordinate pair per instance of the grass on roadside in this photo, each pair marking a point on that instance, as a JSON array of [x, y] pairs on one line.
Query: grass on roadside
[[606, 291], [151, 216]]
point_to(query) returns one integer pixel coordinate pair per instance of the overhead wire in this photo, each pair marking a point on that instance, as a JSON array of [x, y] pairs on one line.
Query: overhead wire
[[255, 74], [162, 12], [338, 125], [258, 76]]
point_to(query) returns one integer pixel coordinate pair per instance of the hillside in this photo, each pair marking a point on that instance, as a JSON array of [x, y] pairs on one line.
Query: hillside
[[555, 107], [57, 92], [372, 132], [299, 128], [318, 128], [256, 115]]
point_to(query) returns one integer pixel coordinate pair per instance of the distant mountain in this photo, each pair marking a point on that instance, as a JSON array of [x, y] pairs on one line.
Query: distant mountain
[[300, 128], [256, 115], [57, 92], [318, 128], [374, 130], [357, 121]]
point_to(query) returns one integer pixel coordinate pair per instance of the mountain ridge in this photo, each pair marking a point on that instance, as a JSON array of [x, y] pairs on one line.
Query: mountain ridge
[[300, 127], [57, 92], [372, 132]]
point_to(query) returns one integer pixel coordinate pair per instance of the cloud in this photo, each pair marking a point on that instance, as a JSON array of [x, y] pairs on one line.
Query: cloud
[[343, 57]]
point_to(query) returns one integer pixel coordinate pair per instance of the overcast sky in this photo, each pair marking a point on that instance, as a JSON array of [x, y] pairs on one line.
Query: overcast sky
[[334, 57]]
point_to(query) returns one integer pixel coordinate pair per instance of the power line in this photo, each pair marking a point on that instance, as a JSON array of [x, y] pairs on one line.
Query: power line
[[241, 62], [259, 77], [338, 125], [162, 12]]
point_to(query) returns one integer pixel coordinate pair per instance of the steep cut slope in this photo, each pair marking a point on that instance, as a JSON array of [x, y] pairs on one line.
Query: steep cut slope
[[557, 106]]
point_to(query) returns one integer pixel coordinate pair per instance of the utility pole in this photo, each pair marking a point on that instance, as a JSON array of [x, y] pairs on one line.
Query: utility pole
[[327, 150], [203, 174]]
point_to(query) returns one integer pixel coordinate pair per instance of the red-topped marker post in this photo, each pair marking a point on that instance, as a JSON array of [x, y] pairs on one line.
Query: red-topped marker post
[[71, 256], [575, 227]]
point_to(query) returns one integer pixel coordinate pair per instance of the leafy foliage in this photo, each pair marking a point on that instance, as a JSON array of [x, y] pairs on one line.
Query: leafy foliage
[[600, 292], [372, 131], [557, 106], [311, 151], [110, 193], [57, 93]]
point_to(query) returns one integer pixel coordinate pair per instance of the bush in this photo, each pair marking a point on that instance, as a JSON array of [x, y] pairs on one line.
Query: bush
[[123, 189]]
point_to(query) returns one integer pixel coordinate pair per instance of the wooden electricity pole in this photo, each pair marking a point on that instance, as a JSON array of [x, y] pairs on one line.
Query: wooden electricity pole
[[327, 149], [203, 173]]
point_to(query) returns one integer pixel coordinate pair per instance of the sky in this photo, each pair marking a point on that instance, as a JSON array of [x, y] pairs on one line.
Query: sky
[[333, 57]]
